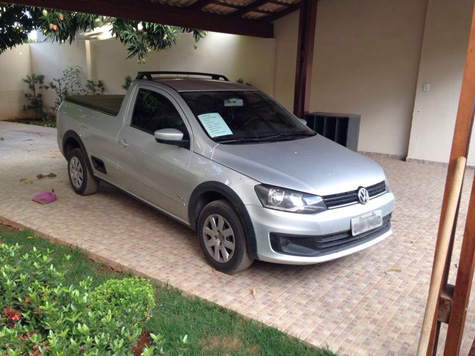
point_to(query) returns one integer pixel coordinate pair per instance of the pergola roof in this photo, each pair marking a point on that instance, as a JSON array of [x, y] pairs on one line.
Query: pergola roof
[[261, 10], [242, 17]]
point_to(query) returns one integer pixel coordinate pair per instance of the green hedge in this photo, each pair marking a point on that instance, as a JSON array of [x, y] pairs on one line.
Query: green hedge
[[40, 315]]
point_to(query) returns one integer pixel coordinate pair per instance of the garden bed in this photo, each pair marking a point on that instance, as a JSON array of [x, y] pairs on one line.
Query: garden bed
[[37, 122], [182, 325]]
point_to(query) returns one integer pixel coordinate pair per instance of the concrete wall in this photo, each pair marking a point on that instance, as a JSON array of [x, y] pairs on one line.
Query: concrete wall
[[251, 59], [365, 62], [14, 65], [51, 59], [286, 31], [372, 58], [442, 62]]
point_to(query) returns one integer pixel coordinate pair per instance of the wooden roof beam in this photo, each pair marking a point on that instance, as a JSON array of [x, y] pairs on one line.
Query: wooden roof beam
[[158, 13], [198, 5], [233, 6], [251, 7], [282, 13], [278, 2]]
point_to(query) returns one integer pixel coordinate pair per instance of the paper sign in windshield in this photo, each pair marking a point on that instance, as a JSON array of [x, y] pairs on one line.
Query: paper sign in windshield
[[214, 124]]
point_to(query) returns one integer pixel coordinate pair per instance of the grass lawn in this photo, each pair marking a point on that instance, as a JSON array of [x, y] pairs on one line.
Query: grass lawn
[[211, 329]]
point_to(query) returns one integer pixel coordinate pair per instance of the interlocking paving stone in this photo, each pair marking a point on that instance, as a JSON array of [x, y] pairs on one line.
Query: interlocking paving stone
[[356, 305]]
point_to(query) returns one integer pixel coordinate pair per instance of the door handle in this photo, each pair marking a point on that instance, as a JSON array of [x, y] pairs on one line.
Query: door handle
[[123, 142]]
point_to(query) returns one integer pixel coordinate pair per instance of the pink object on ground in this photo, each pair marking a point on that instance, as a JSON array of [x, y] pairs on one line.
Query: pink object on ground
[[45, 197]]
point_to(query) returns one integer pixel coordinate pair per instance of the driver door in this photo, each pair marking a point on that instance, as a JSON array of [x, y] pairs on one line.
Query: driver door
[[156, 172]]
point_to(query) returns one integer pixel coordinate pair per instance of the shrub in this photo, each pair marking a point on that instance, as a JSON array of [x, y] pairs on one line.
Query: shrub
[[34, 96], [71, 83], [129, 300], [93, 88], [241, 81], [127, 82], [39, 315]]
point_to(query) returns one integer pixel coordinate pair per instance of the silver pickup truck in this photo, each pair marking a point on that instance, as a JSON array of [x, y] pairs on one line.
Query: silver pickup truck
[[231, 163]]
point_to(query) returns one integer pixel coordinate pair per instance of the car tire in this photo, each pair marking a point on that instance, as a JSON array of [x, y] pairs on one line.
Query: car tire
[[81, 179], [222, 238]]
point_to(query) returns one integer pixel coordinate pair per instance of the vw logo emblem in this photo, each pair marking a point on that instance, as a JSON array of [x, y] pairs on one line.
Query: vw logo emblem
[[363, 195]]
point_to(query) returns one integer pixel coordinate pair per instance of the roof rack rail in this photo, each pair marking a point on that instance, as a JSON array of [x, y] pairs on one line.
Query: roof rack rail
[[148, 75]]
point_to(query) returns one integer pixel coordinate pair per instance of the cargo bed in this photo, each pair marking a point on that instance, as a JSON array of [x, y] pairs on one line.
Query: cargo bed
[[107, 104]]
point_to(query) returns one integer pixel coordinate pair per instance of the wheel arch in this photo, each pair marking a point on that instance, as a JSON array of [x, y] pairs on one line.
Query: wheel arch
[[211, 191], [71, 140]]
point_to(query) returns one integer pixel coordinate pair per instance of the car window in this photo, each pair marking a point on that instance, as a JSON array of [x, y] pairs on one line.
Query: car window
[[244, 117], [153, 111]]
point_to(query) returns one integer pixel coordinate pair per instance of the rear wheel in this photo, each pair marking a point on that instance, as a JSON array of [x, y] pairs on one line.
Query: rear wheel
[[222, 237], [81, 179]]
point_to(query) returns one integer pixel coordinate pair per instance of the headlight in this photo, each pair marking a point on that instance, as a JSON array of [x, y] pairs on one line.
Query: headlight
[[289, 200]]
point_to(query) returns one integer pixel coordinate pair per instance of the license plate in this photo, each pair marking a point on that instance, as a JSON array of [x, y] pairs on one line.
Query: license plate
[[366, 222]]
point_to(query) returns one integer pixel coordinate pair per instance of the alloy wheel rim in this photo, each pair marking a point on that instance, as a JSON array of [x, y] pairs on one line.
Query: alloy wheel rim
[[219, 238], [76, 172]]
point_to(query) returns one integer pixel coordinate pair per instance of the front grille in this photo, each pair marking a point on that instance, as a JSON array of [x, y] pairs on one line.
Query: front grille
[[313, 246], [347, 198]]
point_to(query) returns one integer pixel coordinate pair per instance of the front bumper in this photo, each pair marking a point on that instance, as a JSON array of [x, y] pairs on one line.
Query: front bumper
[[291, 238]]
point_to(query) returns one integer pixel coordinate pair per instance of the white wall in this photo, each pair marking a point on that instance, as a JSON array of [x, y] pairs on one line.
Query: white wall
[[286, 33], [372, 58], [14, 65], [366, 60], [251, 59], [442, 62], [51, 58]]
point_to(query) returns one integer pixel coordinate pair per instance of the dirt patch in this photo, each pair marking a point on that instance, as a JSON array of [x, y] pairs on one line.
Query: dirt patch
[[107, 269], [104, 268], [7, 228], [227, 345], [144, 340]]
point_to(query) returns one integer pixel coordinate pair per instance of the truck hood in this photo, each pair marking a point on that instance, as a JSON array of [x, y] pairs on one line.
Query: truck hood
[[314, 165]]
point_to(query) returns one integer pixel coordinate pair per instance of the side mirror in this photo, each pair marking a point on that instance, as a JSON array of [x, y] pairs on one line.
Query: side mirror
[[171, 137]]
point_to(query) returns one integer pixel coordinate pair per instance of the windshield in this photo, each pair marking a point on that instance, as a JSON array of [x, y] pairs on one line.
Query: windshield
[[244, 117]]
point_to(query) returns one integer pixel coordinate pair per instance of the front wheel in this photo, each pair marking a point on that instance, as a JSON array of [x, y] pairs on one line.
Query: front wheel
[[222, 237], [82, 181]]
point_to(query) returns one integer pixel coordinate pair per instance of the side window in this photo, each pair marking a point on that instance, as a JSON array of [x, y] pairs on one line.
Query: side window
[[153, 112]]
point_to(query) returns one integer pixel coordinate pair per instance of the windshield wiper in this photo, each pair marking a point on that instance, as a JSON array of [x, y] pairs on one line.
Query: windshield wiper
[[288, 136], [278, 137], [241, 140]]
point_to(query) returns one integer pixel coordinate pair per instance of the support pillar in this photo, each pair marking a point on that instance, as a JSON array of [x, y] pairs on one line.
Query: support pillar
[[460, 147], [306, 39], [463, 284], [89, 61]]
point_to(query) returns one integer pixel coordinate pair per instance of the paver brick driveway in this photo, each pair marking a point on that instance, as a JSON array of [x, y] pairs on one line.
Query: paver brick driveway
[[370, 303]]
